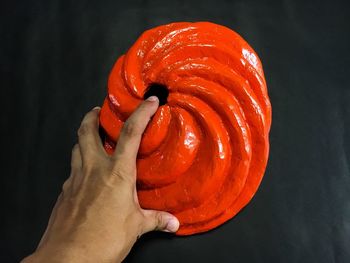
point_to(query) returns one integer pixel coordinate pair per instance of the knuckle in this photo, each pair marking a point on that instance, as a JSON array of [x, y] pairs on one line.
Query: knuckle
[[73, 163], [83, 129], [75, 149], [159, 221], [66, 185], [130, 128], [118, 174], [122, 175]]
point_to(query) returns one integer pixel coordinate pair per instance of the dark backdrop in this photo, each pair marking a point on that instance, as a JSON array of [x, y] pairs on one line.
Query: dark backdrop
[[55, 57]]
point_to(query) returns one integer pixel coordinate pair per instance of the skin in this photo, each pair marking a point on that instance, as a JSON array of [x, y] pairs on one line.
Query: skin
[[97, 217]]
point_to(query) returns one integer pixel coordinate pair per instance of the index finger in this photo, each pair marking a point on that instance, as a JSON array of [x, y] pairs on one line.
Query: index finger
[[132, 130]]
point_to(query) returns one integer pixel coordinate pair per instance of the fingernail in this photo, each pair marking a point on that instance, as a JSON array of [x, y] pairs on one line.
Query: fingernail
[[96, 108], [152, 98], [173, 225]]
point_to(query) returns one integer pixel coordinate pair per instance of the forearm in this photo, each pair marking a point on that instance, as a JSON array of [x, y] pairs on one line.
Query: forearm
[[72, 253]]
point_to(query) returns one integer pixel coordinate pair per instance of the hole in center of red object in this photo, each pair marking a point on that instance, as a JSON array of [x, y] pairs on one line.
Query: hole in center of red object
[[159, 90]]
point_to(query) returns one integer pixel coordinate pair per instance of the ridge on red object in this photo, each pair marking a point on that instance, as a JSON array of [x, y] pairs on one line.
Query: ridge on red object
[[204, 153]]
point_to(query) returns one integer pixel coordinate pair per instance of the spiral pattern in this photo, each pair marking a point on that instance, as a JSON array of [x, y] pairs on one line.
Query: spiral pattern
[[203, 155]]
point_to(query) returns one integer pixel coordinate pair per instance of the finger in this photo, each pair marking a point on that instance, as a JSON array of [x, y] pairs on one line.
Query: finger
[[89, 138], [76, 176], [160, 221], [76, 164], [76, 158], [131, 133]]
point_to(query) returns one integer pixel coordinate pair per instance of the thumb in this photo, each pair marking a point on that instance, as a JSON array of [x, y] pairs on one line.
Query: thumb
[[161, 221]]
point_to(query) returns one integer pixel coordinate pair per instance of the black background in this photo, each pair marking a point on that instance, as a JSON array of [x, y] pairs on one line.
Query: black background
[[55, 57]]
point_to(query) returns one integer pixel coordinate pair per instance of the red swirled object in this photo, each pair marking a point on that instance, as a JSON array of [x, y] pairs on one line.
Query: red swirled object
[[204, 153]]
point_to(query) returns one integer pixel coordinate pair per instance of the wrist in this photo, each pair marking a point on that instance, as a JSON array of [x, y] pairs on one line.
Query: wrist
[[73, 254], [57, 254]]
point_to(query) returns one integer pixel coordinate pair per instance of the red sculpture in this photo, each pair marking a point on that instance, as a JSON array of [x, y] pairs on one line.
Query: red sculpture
[[204, 153]]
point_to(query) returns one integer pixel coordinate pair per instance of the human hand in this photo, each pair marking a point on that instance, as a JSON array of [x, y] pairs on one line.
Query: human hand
[[97, 217]]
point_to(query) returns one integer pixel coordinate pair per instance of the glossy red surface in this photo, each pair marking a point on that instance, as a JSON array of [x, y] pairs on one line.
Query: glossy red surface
[[204, 153]]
